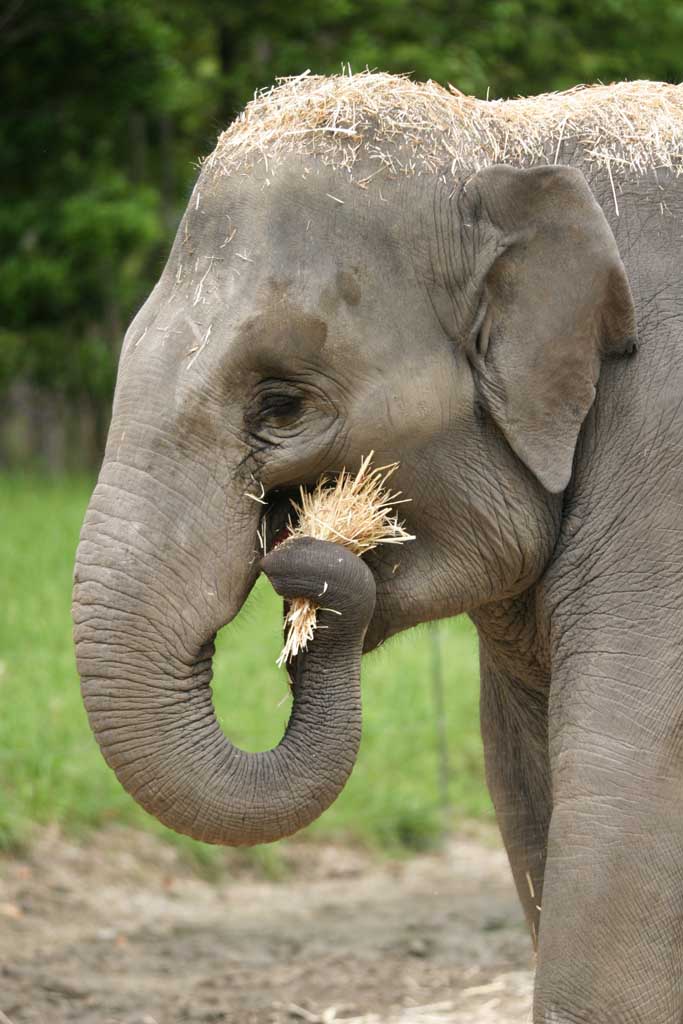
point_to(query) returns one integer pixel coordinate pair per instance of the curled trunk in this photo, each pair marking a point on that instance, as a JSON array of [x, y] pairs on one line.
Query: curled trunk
[[147, 603]]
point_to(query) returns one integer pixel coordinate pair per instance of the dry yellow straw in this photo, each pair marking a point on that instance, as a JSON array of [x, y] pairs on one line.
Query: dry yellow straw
[[354, 511], [418, 127]]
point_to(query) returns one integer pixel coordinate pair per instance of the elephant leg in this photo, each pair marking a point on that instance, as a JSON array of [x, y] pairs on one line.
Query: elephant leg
[[514, 731], [611, 933]]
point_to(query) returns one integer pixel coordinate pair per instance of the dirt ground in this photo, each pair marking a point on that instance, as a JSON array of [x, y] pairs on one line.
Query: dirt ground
[[121, 930]]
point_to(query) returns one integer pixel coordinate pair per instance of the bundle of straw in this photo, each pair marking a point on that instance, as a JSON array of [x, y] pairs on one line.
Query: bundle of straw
[[418, 127], [354, 511]]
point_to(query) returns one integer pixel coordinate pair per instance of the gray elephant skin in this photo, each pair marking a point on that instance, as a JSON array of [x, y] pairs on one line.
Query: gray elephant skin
[[489, 293]]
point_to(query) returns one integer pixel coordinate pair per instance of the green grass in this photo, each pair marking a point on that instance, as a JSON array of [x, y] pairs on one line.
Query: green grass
[[51, 770]]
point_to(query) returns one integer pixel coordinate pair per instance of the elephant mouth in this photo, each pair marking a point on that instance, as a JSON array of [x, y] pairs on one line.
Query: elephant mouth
[[278, 517]]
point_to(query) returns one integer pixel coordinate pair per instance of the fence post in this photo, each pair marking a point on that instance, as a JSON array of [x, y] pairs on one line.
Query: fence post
[[440, 721]]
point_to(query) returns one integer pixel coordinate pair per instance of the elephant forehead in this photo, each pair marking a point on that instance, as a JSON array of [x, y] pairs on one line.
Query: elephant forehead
[[277, 328], [304, 234]]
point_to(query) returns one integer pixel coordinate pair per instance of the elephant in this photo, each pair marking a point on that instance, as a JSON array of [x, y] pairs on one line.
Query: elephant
[[487, 292]]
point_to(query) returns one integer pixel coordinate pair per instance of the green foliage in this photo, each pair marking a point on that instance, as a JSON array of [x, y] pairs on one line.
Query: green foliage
[[107, 106], [52, 771], [83, 224]]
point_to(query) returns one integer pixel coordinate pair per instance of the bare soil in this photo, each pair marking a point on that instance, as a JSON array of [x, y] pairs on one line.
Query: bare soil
[[121, 930]]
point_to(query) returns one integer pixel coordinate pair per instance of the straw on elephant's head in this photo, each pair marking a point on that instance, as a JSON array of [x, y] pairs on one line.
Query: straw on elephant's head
[[356, 511], [408, 127]]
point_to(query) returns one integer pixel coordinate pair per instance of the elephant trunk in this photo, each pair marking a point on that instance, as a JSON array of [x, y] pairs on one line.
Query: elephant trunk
[[147, 604]]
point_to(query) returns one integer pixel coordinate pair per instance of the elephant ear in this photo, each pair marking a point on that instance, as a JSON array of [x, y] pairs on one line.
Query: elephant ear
[[556, 300]]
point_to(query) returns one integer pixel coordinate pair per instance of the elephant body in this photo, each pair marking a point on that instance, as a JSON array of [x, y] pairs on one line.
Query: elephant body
[[490, 294]]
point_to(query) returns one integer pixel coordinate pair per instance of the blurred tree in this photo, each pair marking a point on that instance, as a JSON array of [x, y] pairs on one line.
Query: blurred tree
[[107, 104], [80, 222]]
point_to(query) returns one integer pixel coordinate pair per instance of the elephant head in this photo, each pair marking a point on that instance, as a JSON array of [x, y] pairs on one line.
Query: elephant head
[[306, 315]]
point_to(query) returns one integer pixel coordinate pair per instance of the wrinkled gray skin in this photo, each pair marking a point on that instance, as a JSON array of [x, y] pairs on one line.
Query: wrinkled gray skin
[[461, 331]]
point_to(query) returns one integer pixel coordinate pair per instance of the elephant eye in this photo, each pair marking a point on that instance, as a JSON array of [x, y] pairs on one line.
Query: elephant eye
[[281, 410], [277, 405]]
